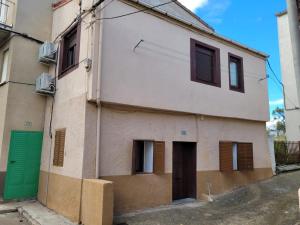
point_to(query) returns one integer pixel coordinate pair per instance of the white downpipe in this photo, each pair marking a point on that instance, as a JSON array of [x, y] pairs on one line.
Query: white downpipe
[[98, 93]]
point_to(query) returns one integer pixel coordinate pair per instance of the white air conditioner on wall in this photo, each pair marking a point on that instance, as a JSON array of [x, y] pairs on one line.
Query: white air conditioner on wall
[[47, 53], [45, 84]]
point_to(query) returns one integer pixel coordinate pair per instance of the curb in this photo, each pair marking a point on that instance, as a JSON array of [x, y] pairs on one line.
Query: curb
[[27, 216]]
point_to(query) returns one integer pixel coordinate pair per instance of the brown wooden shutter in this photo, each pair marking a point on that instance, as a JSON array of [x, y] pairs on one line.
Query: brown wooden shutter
[[159, 158], [226, 156], [59, 148], [245, 156], [134, 151]]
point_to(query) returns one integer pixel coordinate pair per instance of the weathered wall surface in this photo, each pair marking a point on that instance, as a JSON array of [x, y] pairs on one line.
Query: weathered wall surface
[[289, 79]]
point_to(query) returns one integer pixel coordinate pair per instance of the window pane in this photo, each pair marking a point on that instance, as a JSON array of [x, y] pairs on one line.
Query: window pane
[[148, 157], [70, 49], [204, 65], [3, 11], [234, 74], [234, 156], [4, 67]]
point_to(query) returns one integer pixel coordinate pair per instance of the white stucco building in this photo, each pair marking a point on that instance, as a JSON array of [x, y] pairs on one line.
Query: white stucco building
[[288, 33]]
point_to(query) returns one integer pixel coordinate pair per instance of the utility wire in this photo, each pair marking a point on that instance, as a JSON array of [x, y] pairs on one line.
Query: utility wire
[[135, 12], [282, 88], [80, 16]]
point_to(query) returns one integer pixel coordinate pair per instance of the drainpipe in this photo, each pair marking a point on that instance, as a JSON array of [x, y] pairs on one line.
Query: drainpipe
[[98, 91], [295, 38]]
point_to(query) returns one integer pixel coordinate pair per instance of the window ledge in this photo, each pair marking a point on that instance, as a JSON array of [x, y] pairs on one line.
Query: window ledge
[[3, 83], [67, 71], [60, 4]]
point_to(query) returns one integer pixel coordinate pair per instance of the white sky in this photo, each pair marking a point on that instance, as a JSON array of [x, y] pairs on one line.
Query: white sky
[[193, 4]]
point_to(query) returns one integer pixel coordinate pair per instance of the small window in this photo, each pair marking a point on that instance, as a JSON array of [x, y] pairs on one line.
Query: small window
[[59, 148], [148, 157], [205, 63], [236, 75], [4, 73], [69, 51], [235, 156]]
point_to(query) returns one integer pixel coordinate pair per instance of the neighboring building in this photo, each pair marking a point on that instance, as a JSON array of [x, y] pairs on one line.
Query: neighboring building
[[24, 25], [289, 45], [156, 102]]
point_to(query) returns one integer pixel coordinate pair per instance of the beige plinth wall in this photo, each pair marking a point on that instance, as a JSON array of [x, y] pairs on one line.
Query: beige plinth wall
[[97, 202], [88, 201], [63, 194]]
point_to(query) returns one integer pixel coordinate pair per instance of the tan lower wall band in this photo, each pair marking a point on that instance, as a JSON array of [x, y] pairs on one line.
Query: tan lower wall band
[[139, 191], [146, 191]]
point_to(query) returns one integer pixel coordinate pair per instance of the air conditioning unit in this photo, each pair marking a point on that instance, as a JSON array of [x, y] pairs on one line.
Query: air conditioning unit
[[45, 84], [47, 53]]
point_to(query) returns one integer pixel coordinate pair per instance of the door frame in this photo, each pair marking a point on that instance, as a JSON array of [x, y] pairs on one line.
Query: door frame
[[193, 193]]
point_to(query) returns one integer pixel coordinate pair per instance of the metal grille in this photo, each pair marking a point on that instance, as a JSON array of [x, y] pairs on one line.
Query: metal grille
[[287, 152]]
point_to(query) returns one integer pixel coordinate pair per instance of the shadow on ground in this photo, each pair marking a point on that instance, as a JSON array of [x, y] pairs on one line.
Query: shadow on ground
[[271, 202]]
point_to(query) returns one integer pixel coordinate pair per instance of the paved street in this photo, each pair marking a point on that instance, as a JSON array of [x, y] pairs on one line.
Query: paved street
[[12, 219], [271, 202]]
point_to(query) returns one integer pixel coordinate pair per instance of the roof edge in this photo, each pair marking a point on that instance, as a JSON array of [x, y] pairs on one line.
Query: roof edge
[[210, 33], [281, 13], [194, 15]]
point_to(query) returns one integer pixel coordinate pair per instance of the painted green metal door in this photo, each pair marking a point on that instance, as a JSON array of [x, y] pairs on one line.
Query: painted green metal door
[[23, 165]]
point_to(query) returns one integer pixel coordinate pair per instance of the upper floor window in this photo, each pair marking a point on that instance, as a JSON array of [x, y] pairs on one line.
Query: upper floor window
[[4, 72], [205, 63], [69, 50], [236, 74]]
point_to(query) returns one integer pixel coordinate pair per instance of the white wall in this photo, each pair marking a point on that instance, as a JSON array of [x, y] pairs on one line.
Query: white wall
[[157, 74], [289, 80]]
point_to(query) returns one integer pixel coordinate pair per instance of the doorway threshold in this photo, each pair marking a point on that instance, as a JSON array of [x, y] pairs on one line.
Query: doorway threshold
[[184, 201]]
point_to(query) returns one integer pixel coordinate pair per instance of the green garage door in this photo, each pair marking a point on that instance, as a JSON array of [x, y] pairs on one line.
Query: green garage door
[[23, 165]]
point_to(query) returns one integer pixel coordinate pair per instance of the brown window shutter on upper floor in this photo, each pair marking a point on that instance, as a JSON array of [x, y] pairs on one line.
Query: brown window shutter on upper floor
[[245, 156], [59, 148], [159, 158], [225, 154]]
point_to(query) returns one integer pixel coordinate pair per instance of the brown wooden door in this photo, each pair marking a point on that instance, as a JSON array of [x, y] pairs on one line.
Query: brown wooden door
[[184, 170]]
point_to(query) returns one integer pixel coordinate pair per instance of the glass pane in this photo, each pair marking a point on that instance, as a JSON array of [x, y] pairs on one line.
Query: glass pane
[[234, 74], [234, 157], [204, 66], [4, 67], [148, 157]]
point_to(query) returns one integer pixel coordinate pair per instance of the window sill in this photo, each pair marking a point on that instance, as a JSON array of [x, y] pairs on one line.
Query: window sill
[[207, 83], [68, 70], [3, 83], [237, 89], [144, 174]]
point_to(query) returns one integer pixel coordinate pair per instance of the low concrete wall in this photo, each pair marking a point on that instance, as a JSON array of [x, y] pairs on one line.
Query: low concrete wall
[[97, 202]]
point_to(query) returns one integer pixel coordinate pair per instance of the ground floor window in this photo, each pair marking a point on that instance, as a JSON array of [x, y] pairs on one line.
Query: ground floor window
[[235, 156], [148, 157]]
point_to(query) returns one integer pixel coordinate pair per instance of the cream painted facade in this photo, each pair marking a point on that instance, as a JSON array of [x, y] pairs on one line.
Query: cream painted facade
[[146, 93], [289, 78], [21, 108]]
